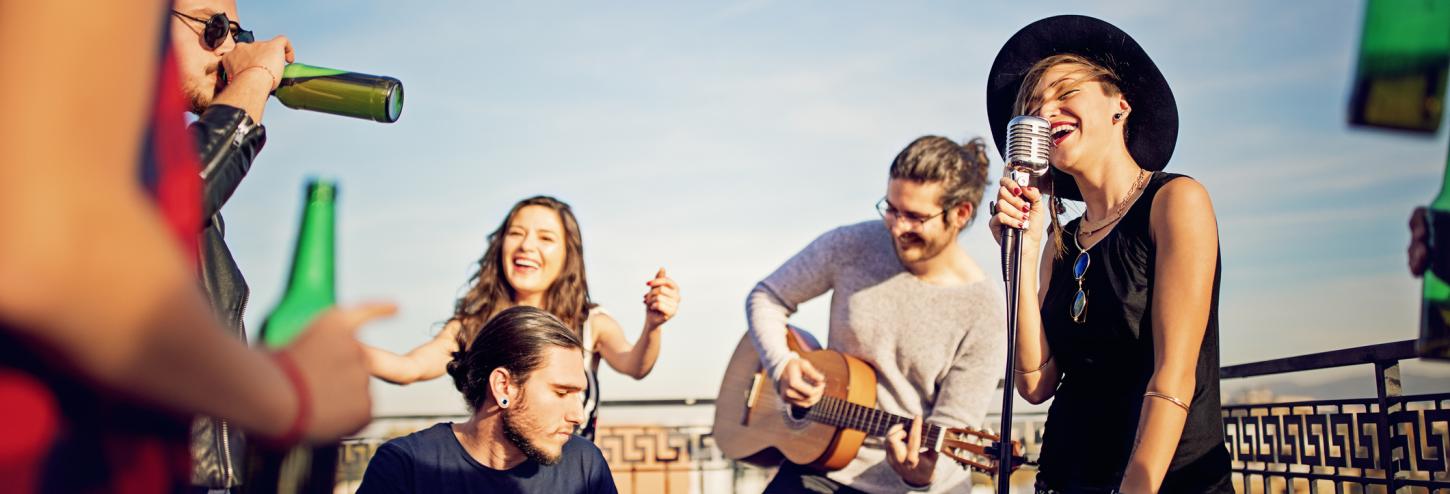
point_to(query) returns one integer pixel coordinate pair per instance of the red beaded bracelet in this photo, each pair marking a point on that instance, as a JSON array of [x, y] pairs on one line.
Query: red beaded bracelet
[[304, 406]]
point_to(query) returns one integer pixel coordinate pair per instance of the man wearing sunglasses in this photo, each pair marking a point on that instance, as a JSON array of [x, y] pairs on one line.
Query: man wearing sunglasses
[[908, 300], [227, 77], [210, 42]]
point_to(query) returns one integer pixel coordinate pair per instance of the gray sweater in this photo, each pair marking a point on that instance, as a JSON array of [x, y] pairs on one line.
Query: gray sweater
[[938, 351]]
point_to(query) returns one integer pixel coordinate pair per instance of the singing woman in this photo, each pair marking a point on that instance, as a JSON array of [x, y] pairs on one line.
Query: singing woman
[[1123, 332]]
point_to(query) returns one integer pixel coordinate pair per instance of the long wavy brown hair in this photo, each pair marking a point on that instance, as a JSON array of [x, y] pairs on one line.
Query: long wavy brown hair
[[489, 293]]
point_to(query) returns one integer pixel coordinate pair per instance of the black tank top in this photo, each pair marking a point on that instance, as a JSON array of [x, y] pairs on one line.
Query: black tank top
[[1108, 359]]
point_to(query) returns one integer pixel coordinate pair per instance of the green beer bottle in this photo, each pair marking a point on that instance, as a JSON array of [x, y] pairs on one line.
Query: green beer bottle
[[1404, 59], [310, 287], [303, 469], [339, 92], [1434, 339], [1399, 84]]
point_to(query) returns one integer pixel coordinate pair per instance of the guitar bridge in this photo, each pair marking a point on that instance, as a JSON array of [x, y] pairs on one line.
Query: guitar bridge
[[750, 397]]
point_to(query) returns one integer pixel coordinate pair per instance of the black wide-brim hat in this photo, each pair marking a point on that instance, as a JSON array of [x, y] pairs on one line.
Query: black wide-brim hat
[[1152, 126]]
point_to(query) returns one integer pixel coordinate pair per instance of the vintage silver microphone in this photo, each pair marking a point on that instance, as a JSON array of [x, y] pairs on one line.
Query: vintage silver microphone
[[1029, 140]]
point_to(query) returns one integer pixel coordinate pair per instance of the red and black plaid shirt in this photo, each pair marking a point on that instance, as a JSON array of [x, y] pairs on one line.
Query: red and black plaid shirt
[[60, 432]]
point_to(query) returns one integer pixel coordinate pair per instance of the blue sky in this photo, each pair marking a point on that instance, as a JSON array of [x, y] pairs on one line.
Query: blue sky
[[717, 139]]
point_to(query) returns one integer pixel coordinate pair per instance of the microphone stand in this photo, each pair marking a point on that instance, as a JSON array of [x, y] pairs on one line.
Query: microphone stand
[[1011, 269]]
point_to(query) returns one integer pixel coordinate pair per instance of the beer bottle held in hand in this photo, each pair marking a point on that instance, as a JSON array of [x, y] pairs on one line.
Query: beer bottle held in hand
[[310, 290], [1399, 84], [340, 92], [1434, 339]]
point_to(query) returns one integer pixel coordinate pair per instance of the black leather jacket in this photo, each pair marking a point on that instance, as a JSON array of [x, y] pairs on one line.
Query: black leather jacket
[[227, 141]]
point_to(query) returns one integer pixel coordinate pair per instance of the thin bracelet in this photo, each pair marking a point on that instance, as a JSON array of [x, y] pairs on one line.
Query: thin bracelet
[[304, 406], [1038, 369], [1175, 401], [263, 67]]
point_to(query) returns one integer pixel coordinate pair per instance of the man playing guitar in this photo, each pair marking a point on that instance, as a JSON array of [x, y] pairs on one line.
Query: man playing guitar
[[907, 300]]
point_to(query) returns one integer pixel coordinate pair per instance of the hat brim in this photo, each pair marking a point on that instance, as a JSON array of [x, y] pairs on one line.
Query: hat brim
[[1153, 126]]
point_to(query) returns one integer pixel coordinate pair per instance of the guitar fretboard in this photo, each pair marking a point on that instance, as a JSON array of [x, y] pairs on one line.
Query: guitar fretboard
[[842, 413]]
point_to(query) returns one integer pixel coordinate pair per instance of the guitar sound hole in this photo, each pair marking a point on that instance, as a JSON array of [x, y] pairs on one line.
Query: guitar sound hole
[[798, 413]]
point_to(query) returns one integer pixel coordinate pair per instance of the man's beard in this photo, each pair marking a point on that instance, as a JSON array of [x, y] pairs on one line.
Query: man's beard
[[201, 91], [515, 435], [196, 100], [925, 249]]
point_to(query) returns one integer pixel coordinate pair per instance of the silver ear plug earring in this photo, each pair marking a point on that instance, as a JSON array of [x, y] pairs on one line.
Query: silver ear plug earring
[[504, 403], [1117, 116]]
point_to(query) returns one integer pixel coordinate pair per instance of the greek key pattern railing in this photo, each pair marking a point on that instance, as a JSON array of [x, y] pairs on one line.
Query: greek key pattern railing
[[650, 448], [671, 459], [642, 458], [1341, 442], [1389, 443], [352, 459], [1386, 444]]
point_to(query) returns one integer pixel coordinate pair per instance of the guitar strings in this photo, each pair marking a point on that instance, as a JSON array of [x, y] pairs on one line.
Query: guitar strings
[[841, 413]]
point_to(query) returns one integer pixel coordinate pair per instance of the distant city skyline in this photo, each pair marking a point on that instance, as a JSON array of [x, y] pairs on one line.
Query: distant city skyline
[[717, 140]]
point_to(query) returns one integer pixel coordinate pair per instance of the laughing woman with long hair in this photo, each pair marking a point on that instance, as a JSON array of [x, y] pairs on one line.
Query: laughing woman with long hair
[[1123, 333], [536, 258]]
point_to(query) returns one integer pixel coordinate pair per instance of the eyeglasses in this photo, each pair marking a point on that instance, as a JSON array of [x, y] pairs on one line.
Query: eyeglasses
[[216, 28], [1079, 269], [891, 214]]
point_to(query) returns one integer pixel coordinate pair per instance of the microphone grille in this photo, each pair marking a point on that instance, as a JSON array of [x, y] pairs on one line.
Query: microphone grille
[[1029, 140]]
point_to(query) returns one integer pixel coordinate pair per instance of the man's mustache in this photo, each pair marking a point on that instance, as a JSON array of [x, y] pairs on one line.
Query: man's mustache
[[908, 238]]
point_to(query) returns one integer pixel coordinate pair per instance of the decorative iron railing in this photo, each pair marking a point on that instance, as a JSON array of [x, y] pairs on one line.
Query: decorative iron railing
[[1388, 443], [642, 458]]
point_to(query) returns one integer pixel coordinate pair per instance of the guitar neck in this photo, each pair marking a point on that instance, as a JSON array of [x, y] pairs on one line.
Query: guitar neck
[[842, 413]]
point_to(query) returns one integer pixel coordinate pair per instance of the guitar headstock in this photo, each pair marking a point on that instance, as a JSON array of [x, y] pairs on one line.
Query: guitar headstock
[[977, 450]]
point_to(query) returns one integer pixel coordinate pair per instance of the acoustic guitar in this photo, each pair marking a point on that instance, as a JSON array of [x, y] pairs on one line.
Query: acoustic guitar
[[753, 424]]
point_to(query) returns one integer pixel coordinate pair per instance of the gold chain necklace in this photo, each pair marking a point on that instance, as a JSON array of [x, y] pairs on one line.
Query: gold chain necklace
[[1087, 231]]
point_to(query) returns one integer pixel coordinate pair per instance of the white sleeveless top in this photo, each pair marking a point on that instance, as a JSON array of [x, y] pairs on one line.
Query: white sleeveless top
[[591, 369]]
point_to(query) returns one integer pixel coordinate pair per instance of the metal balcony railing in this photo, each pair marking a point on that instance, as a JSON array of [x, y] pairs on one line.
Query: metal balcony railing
[[1385, 443], [1388, 443]]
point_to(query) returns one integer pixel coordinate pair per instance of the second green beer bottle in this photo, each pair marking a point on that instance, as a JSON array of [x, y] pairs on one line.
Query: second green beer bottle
[[1434, 341], [310, 290]]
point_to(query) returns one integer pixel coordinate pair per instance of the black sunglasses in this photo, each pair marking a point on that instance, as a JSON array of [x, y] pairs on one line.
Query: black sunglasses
[[216, 29], [1079, 270]]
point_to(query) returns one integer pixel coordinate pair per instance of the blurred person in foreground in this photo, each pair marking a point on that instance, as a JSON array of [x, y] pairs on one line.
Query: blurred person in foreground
[[107, 347]]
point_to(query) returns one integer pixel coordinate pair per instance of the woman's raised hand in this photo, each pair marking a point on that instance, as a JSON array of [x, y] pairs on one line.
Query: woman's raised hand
[[662, 300]]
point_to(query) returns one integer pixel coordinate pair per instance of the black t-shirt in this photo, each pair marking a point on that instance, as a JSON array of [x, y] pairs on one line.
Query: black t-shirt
[[432, 460]]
